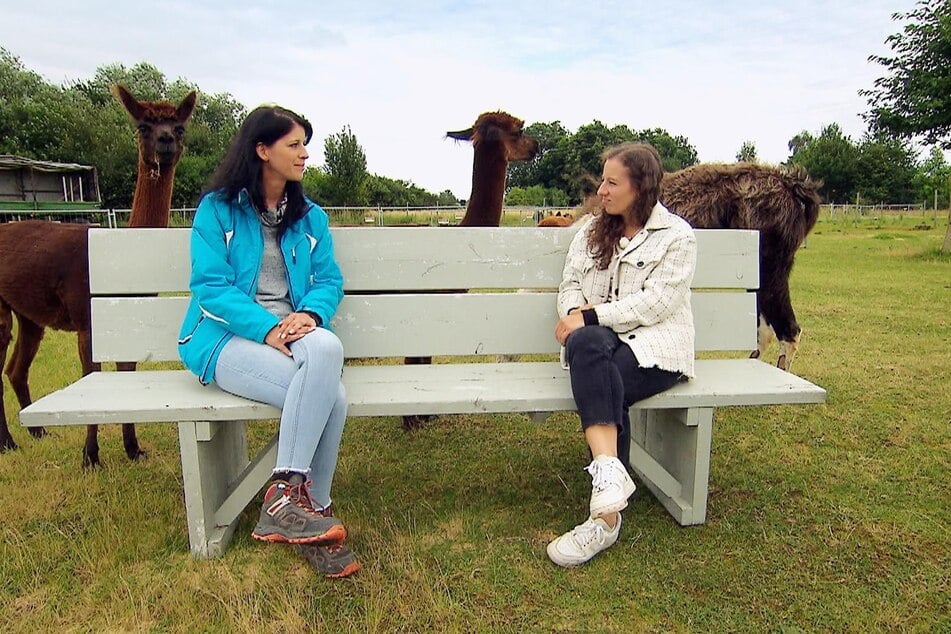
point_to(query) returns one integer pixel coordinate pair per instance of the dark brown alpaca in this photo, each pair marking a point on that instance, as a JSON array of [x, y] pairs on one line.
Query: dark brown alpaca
[[782, 205], [497, 139], [44, 274]]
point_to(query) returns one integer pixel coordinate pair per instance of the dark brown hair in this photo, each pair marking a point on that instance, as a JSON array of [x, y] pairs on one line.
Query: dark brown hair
[[643, 166]]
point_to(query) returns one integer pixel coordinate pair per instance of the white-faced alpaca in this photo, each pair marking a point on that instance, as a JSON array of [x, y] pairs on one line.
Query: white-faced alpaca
[[44, 266], [783, 205]]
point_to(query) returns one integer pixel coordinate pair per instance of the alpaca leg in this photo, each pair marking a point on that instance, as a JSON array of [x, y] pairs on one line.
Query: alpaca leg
[[129, 440], [764, 337], [18, 370], [6, 335], [788, 350], [778, 311], [91, 446]]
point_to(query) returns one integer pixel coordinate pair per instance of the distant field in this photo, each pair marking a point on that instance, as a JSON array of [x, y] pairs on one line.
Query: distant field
[[821, 518]]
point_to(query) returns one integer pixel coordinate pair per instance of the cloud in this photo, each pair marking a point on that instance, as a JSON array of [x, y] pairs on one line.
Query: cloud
[[402, 74]]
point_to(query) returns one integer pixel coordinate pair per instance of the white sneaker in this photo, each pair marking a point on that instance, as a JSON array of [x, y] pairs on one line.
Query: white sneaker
[[610, 485], [583, 542]]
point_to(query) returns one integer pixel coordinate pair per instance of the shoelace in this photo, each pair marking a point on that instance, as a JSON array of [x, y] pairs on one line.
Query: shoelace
[[584, 534], [300, 494], [599, 477]]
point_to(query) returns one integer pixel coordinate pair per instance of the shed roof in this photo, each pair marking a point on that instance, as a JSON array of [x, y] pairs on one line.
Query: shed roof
[[10, 162]]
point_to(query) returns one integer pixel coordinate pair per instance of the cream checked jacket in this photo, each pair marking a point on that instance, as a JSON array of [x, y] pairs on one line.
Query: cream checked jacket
[[644, 294]]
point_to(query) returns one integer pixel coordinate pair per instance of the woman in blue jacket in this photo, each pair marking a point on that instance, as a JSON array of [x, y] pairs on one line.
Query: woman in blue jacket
[[264, 287]]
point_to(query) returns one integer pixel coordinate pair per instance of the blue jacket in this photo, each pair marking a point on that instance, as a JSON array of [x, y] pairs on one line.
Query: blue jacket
[[227, 245]]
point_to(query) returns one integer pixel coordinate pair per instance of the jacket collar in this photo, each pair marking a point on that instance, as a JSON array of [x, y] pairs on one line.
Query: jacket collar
[[660, 218]]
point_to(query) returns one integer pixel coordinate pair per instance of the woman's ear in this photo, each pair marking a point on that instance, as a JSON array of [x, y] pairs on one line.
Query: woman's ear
[[261, 149]]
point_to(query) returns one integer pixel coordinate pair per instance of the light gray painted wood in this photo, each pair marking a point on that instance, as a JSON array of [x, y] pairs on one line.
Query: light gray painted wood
[[208, 466], [394, 390], [670, 451], [672, 432], [146, 329], [123, 261]]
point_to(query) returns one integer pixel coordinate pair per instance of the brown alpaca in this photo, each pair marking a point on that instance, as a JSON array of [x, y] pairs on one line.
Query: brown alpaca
[[782, 205], [44, 267], [497, 139], [557, 220]]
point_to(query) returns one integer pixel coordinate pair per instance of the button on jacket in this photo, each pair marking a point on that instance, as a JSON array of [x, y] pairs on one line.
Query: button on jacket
[[644, 294]]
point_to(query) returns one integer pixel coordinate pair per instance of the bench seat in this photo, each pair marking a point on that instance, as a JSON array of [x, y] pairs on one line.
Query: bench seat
[[165, 396]]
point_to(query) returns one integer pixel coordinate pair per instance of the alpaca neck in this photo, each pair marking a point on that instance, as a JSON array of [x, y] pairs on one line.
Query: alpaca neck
[[488, 187], [153, 196]]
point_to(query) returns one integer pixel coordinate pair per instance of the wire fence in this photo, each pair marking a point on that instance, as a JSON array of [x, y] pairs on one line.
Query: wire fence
[[518, 216], [339, 216]]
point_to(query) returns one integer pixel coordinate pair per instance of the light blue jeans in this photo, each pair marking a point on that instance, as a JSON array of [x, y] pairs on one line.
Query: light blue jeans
[[308, 390]]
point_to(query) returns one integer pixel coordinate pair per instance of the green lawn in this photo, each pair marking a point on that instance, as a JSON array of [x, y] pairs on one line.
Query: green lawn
[[821, 518]]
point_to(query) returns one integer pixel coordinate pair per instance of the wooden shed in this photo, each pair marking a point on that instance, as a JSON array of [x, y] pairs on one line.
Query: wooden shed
[[30, 184]]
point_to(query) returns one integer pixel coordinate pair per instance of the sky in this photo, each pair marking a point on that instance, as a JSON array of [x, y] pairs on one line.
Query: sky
[[402, 74]]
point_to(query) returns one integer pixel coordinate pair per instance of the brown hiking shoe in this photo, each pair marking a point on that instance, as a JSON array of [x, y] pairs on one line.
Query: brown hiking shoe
[[288, 516], [335, 561]]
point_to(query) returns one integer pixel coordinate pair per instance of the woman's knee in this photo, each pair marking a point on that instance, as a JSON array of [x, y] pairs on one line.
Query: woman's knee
[[322, 345], [596, 339]]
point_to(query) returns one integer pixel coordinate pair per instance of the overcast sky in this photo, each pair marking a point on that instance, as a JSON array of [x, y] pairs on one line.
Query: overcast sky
[[401, 74]]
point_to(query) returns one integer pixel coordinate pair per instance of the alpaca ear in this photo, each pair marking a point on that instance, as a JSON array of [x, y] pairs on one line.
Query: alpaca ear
[[460, 135], [185, 108], [130, 103]]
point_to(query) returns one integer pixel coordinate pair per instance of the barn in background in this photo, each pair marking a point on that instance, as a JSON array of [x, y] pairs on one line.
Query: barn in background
[[27, 185]]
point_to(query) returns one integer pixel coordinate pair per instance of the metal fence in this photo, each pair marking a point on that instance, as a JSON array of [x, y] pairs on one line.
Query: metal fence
[[339, 216]]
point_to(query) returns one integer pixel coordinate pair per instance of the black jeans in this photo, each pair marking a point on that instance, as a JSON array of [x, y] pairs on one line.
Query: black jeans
[[606, 380]]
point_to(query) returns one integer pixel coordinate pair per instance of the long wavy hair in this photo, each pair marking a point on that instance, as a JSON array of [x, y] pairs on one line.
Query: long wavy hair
[[241, 167], [643, 166]]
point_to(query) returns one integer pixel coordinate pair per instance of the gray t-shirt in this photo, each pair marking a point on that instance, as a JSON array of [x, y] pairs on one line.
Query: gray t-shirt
[[272, 291]]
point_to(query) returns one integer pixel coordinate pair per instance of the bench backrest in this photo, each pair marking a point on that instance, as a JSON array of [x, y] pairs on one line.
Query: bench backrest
[[390, 274]]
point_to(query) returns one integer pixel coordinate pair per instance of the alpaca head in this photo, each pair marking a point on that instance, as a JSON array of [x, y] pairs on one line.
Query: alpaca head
[[161, 129], [499, 130]]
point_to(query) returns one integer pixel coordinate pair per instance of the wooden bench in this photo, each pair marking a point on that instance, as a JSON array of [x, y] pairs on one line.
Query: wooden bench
[[391, 310]]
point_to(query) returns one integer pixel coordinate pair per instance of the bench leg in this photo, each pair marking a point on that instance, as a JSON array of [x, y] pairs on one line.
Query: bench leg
[[670, 452], [219, 480]]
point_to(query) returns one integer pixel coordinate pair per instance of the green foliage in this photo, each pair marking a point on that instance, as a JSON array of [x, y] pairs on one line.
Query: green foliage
[[831, 157], [933, 174], [82, 122], [391, 192], [536, 196], [914, 98], [747, 153], [886, 171], [571, 163], [346, 165]]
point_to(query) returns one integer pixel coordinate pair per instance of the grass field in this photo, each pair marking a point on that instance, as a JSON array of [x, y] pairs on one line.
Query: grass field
[[821, 518]]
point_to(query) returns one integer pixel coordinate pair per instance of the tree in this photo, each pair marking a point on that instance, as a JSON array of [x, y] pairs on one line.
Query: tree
[[933, 179], [747, 153], [831, 157], [546, 168], [914, 98], [885, 170], [675, 152], [536, 196], [571, 163], [346, 164]]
